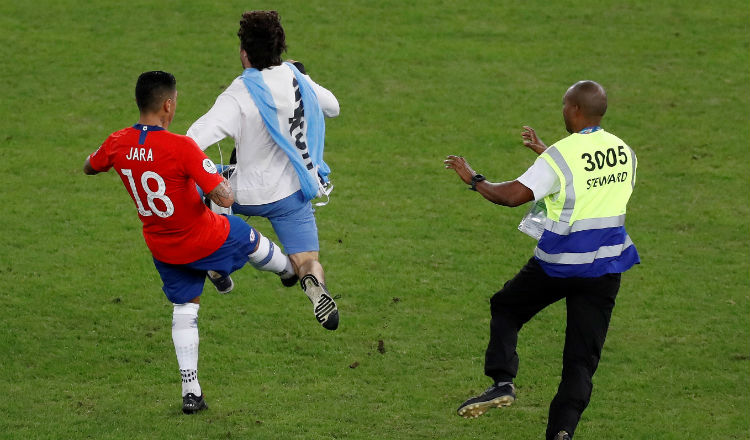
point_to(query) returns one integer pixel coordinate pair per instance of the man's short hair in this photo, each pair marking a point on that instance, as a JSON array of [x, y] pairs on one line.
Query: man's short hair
[[591, 97], [152, 89], [262, 37]]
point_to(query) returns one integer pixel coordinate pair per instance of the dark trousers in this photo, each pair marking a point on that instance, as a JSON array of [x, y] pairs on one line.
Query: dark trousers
[[589, 304]]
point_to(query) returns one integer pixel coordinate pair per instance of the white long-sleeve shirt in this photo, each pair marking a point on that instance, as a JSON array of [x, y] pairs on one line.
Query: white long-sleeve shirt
[[264, 173]]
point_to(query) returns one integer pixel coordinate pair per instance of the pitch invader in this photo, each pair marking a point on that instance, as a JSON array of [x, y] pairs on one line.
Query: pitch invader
[[275, 114], [188, 241]]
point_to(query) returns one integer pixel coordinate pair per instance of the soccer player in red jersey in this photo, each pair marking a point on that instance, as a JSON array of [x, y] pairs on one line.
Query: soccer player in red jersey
[[188, 241]]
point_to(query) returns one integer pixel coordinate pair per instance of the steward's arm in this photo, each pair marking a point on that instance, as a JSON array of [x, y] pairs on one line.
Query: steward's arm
[[513, 193]]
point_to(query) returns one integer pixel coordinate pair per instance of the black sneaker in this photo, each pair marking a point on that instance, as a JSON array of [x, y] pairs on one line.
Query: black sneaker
[[324, 307], [493, 397], [288, 281], [191, 403], [562, 435], [222, 284]]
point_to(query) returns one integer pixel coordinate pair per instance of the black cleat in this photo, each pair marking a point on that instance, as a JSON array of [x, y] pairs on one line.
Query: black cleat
[[289, 282], [191, 403], [493, 397], [223, 284], [324, 307]]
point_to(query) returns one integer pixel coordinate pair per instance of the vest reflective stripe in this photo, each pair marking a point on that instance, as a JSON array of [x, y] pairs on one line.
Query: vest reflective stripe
[[570, 192], [584, 257], [635, 163], [585, 224]]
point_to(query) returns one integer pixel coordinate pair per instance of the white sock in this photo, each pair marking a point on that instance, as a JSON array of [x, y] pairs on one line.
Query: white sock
[[268, 257], [185, 338]]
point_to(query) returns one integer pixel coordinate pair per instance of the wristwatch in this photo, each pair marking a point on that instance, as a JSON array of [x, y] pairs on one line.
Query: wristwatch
[[476, 178]]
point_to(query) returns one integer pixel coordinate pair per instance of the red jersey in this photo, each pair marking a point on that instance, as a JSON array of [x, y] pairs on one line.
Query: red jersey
[[160, 170]]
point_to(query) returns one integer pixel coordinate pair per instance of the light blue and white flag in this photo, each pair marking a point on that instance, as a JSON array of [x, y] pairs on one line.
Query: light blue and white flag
[[305, 150]]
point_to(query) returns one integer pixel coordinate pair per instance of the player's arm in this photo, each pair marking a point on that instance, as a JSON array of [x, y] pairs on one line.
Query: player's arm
[[202, 169], [222, 194], [512, 193], [88, 169], [100, 161]]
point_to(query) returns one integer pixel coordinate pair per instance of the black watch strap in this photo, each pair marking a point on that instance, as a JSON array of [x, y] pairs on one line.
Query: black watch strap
[[476, 178]]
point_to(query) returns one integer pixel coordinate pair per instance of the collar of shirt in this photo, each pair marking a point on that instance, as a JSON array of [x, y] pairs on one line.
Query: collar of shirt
[[588, 130], [147, 127]]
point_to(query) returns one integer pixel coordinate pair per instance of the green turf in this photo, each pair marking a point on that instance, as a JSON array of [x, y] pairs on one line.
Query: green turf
[[85, 346]]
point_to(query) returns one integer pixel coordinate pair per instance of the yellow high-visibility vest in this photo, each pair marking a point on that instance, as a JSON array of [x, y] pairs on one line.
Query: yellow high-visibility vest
[[584, 233]]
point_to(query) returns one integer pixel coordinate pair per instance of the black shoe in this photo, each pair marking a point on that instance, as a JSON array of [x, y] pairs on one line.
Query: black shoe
[[324, 307], [493, 397], [222, 284], [191, 403], [291, 281], [562, 435]]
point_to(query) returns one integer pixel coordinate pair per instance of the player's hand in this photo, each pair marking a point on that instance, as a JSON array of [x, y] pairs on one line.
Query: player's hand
[[461, 167], [532, 141]]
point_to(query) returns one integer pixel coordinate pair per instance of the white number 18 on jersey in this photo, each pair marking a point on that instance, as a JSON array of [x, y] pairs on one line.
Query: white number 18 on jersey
[[160, 194]]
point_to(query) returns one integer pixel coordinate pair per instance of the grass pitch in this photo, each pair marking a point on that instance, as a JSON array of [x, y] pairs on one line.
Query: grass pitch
[[85, 346]]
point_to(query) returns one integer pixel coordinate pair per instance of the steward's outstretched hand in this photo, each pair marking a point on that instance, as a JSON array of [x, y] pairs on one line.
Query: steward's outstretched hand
[[532, 141], [462, 168]]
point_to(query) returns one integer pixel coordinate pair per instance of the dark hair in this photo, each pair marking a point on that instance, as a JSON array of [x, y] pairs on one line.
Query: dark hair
[[152, 89], [262, 37]]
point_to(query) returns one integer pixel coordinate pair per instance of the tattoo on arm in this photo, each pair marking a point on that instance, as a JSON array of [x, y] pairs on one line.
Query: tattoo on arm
[[222, 194]]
